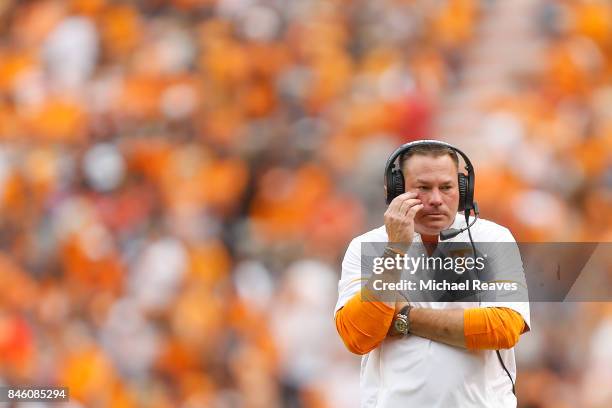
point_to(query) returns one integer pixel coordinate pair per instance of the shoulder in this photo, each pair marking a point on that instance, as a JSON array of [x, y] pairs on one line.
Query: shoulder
[[378, 234], [486, 230]]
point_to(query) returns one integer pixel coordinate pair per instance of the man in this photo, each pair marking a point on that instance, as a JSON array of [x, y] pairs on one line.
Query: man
[[456, 354]]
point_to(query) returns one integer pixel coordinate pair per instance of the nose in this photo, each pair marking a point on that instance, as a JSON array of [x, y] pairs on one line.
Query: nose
[[435, 198]]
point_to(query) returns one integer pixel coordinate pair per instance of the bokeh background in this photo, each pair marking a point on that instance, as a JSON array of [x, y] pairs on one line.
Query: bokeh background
[[179, 181]]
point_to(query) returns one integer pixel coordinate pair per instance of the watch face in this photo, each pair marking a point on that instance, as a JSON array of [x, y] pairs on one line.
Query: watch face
[[401, 326]]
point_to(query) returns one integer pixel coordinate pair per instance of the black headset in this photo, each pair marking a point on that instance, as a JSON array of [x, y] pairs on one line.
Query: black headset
[[394, 178]]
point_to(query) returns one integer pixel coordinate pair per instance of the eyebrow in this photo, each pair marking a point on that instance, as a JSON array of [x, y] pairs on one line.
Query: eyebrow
[[420, 181]]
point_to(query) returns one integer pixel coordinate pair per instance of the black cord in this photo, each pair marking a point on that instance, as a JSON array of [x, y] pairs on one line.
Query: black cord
[[467, 222], [506, 370], [469, 230]]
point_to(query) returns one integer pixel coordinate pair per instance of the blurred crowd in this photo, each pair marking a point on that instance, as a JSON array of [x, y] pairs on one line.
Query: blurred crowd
[[179, 181], [552, 132]]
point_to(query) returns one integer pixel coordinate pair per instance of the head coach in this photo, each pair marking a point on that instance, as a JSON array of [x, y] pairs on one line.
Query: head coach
[[429, 354]]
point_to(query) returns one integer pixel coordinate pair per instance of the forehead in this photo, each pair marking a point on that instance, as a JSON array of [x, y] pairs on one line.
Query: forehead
[[430, 167]]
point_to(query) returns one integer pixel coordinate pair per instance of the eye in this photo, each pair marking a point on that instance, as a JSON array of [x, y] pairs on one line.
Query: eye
[[423, 188], [446, 188]]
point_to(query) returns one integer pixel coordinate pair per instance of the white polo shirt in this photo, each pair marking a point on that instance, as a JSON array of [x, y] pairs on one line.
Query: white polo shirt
[[418, 372]]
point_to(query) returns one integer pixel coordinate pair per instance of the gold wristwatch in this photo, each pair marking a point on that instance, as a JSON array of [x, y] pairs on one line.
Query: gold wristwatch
[[402, 321]]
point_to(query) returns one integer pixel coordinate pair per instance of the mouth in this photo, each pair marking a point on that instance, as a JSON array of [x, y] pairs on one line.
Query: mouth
[[434, 215]]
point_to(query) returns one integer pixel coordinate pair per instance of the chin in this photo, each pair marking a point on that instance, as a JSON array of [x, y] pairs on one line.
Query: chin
[[432, 228]]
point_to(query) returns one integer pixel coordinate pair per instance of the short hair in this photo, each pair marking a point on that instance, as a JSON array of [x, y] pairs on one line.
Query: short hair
[[432, 150]]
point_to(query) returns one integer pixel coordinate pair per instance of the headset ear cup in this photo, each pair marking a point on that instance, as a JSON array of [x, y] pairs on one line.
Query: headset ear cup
[[395, 185], [463, 188]]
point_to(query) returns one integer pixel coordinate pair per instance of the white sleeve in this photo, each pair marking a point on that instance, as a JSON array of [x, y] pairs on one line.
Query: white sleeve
[[350, 280], [508, 265]]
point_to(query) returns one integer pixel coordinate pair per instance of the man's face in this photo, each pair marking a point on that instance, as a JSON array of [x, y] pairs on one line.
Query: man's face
[[434, 179]]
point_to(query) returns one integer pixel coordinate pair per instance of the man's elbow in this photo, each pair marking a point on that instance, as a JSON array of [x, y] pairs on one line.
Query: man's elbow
[[492, 328], [363, 325], [513, 327], [356, 348], [355, 345], [500, 338], [509, 338]]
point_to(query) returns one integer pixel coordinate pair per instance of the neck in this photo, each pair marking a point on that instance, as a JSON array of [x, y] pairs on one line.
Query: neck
[[430, 242], [429, 239]]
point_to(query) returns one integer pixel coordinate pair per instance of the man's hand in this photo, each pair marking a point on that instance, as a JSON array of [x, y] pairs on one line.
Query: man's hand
[[399, 217]]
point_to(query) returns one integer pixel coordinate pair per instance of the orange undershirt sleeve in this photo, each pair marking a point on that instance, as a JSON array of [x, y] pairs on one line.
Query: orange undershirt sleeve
[[363, 324], [492, 328]]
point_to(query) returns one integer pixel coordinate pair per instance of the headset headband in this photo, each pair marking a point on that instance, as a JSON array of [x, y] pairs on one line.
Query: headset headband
[[405, 147]]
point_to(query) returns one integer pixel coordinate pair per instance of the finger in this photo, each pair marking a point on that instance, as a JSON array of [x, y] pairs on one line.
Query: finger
[[407, 195], [414, 210], [407, 205], [397, 201]]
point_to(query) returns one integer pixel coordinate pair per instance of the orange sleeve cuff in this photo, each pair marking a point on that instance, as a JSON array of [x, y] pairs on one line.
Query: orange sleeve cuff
[[492, 328], [363, 324]]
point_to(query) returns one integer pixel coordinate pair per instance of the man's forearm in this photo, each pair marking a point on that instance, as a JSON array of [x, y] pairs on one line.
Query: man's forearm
[[389, 275], [442, 325]]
